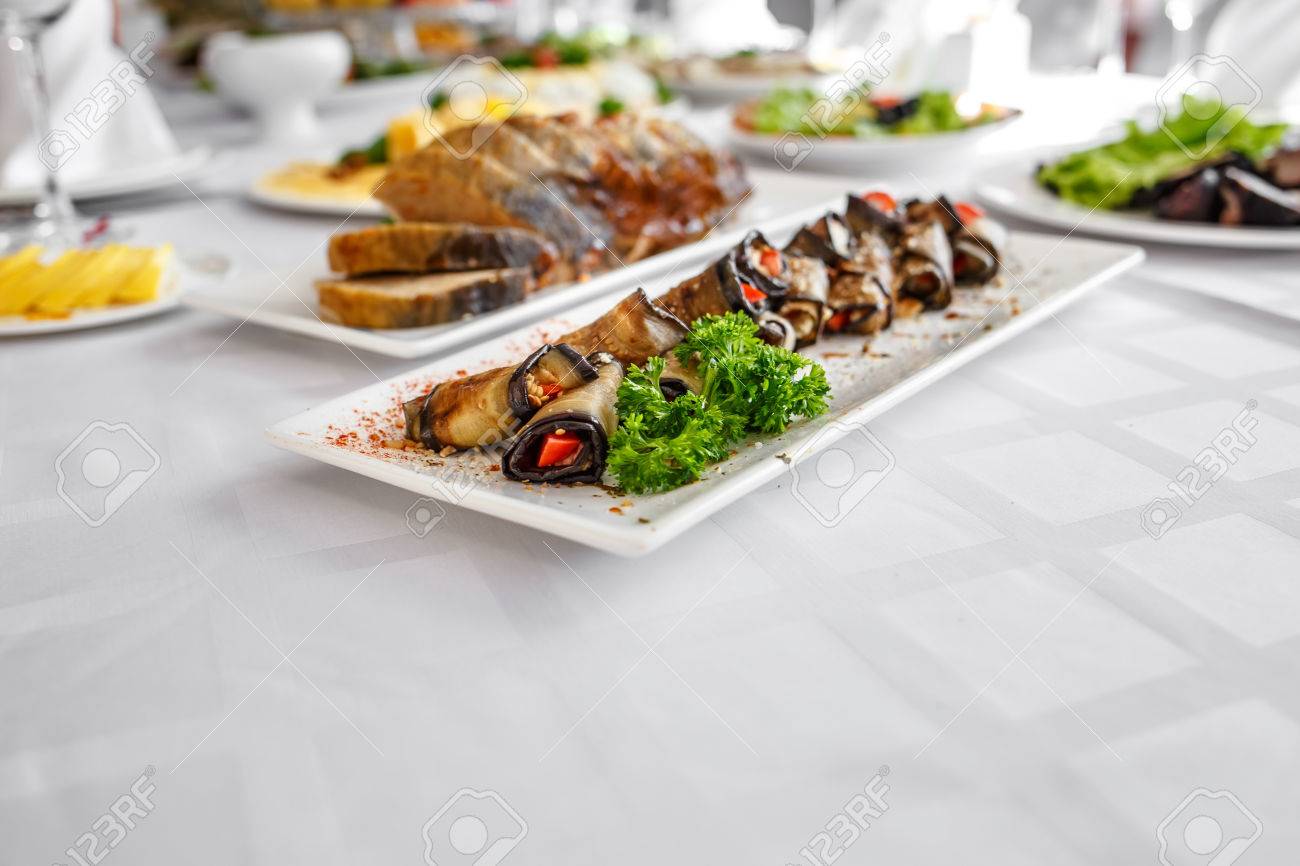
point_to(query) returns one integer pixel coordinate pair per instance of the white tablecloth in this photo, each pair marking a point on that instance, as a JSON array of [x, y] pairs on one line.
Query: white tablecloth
[[993, 644]]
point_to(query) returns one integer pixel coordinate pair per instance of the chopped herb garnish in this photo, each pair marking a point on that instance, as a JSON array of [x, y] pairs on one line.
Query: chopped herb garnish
[[749, 386]]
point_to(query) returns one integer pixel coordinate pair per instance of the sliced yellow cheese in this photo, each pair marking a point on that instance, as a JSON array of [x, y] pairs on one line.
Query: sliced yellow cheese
[[14, 271], [116, 263], [25, 291], [79, 279], [145, 283], [407, 134], [74, 289]]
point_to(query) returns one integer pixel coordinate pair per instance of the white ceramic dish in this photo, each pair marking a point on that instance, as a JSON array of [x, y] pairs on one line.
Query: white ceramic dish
[[182, 279], [314, 204], [274, 304], [1011, 187], [142, 177], [911, 355], [719, 88], [843, 153]]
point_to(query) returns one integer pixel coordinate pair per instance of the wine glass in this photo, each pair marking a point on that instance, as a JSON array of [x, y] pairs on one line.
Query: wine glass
[[55, 223]]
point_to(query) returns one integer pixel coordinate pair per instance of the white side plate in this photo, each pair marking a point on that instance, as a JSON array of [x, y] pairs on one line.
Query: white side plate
[[145, 176], [184, 279], [1012, 188], [846, 153], [315, 204], [291, 306], [911, 355]]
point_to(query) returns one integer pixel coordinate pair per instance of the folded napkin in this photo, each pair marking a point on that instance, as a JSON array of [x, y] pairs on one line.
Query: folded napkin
[[104, 119], [1259, 37]]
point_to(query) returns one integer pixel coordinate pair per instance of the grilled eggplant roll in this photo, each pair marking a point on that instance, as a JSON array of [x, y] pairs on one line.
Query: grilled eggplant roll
[[776, 330], [860, 297], [634, 330], [864, 217], [925, 265], [805, 306], [722, 288], [762, 266], [829, 240], [567, 440], [487, 407], [678, 378], [977, 243]]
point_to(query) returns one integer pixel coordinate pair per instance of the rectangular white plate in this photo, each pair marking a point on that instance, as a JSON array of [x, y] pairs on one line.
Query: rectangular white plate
[[288, 301], [904, 360]]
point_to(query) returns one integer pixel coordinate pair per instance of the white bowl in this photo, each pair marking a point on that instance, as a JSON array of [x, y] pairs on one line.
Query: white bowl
[[278, 78]]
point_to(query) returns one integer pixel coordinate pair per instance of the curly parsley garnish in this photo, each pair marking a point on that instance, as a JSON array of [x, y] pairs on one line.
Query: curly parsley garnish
[[748, 387]]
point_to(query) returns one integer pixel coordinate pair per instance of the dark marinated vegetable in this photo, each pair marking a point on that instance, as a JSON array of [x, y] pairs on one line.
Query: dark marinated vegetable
[[568, 439], [486, 408]]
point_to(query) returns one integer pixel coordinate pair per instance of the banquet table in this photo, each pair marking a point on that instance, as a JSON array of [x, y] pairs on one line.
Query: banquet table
[[1005, 654]]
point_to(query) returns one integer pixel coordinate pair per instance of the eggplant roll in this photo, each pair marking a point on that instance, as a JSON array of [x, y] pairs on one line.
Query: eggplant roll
[[678, 378], [941, 210], [829, 240], [925, 265], [1250, 200], [863, 217], [567, 440], [486, 408], [761, 264], [860, 297], [977, 246], [776, 330], [634, 330], [805, 307], [718, 290]]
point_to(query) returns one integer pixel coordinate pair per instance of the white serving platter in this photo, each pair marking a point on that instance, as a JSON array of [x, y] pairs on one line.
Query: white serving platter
[[289, 302], [846, 153], [721, 87], [903, 360], [1012, 188]]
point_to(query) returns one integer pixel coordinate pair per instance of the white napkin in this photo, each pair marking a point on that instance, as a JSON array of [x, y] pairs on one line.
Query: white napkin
[[1260, 37], [81, 64]]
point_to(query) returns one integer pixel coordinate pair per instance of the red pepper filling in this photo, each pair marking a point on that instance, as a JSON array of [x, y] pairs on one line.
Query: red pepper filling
[[558, 449], [967, 211], [838, 321], [882, 201], [886, 101], [770, 261], [753, 295], [552, 389]]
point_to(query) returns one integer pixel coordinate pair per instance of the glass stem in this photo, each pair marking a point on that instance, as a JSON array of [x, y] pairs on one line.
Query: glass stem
[[55, 208]]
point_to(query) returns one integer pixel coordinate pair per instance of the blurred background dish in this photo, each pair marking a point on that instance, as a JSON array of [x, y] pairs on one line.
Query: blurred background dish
[[278, 78]]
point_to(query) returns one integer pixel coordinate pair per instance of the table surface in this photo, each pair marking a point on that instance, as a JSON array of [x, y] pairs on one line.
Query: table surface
[[998, 643]]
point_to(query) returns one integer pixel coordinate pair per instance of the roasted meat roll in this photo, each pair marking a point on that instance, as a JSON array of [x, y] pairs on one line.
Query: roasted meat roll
[[805, 306], [634, 330], [488, 407], [860, 297], [420, 248], [567, 440], [678, 378], [925, 265]]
